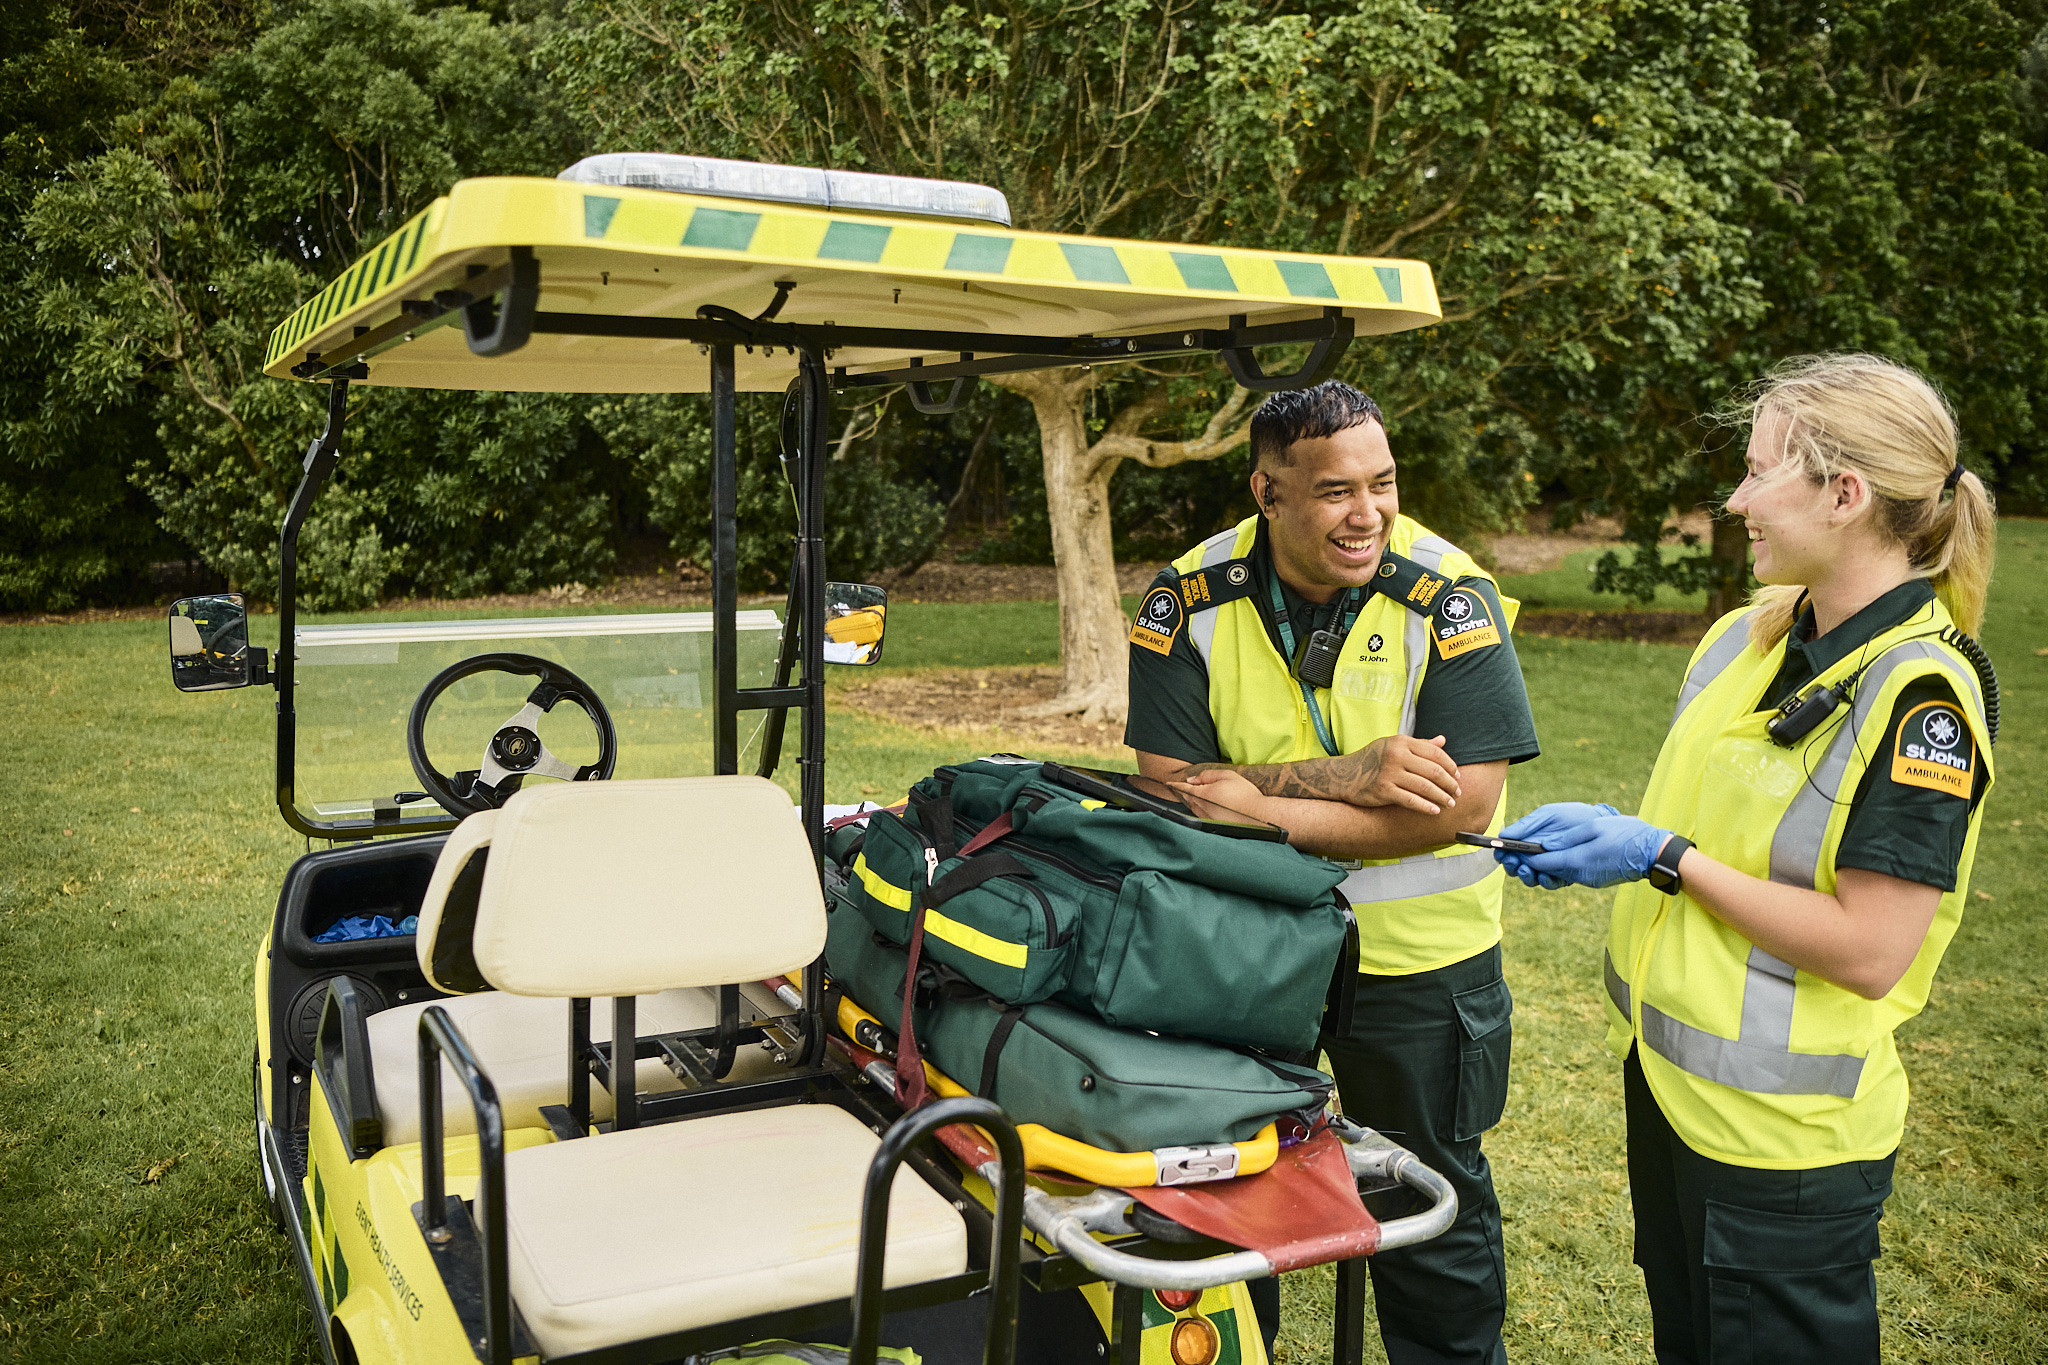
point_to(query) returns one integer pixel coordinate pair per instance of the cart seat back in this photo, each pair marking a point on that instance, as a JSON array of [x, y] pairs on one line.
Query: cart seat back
[[623, 888]]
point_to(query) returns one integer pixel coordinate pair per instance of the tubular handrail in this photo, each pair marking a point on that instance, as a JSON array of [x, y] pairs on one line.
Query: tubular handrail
[[1070, 1222], [439, 1037], [1006, 1240]]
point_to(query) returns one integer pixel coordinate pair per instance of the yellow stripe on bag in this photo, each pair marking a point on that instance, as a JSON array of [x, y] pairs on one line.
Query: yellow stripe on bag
[[895, 897], [965, 937]]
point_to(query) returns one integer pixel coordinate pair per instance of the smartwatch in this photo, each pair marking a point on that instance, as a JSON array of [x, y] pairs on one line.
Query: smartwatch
[[1663, 873]]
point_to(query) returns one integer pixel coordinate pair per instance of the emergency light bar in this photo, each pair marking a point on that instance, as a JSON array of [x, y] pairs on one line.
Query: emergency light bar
[[851, 191]]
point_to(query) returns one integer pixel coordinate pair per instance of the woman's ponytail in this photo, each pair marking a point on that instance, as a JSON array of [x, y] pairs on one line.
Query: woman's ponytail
[[1957, 548]]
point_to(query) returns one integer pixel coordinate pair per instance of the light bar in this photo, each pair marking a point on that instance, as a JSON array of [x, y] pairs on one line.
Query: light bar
[[854, 191]]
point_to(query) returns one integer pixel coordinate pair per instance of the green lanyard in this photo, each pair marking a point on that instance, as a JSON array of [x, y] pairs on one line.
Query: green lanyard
[[1308, 693]]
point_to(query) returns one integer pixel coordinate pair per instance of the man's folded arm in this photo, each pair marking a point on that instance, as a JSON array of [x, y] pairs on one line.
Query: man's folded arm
[[1320, 801]]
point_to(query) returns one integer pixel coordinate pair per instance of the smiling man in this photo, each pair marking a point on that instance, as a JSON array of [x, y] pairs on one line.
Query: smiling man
[[1331, 666]]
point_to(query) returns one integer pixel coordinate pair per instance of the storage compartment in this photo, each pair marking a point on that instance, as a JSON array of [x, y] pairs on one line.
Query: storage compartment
[[322, 889]]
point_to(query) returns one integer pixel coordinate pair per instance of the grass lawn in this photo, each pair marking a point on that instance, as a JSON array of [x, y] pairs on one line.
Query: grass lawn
[[1569, 586], [148, 856]]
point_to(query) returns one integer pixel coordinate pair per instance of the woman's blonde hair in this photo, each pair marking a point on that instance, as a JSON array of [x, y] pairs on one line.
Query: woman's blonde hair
[[1886, 422]]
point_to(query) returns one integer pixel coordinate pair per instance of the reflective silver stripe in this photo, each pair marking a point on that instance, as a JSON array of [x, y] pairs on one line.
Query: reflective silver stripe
[[1726, 647], [1429, 552], [1414, 639], [1424, 874], [1202, 624], [1617, 989], [1802, 829], [1768, 988], [1743, 1065]]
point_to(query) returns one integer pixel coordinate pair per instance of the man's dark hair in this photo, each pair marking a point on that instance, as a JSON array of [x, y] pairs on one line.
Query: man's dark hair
[[1307, 414]]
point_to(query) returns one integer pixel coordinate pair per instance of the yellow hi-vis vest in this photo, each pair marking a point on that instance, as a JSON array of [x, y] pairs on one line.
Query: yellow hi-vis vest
[[1754, 1062], [1414, 914]]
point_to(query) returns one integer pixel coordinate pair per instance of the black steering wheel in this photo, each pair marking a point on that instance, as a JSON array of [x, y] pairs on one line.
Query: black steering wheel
[[515, 752]]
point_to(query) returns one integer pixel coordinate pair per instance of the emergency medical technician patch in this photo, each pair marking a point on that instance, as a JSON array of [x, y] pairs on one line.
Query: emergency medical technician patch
[[1464, 624], [1158, 621], [1934, 750]]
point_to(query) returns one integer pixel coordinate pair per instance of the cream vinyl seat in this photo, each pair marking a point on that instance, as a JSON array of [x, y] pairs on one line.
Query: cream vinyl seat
[[662, 889], [521, 1040]]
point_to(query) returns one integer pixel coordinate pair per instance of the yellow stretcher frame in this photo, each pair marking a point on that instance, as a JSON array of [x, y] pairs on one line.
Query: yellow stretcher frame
[[632, 257], [1045, 1150]]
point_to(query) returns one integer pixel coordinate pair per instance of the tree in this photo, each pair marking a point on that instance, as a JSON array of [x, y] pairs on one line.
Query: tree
[[73, 526], [1907, 215], [229, 197]]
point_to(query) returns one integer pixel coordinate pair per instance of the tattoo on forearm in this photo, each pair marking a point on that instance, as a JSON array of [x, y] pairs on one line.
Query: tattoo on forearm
[[1343, 778]]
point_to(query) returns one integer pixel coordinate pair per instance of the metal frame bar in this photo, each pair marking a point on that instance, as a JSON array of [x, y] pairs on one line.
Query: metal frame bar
[[438, 1038]]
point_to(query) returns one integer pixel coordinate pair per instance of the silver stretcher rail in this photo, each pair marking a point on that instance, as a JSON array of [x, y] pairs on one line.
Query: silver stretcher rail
[[1070, 1222]]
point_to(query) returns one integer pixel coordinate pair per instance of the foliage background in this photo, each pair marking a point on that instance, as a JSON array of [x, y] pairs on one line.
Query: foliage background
[[1633, 206]]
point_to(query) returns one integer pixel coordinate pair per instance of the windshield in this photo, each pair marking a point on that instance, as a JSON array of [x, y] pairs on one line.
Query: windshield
[[357, 683]]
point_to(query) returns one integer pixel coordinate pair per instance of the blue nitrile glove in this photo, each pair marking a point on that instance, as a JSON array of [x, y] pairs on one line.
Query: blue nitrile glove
[[1584, 846]]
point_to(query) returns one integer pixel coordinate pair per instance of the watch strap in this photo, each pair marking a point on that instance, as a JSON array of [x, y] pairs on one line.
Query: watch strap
[[1663, 872]]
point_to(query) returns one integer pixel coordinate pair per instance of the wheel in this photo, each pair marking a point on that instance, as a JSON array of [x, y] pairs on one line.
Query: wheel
[[515, 752]]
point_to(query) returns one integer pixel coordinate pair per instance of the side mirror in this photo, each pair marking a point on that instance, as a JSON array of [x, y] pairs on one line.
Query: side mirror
[[856, 615], [210, 645]]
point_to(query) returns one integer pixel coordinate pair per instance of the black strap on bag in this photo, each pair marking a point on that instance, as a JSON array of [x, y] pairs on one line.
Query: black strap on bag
[[1343, 997], [973, 873], [992, 1055]]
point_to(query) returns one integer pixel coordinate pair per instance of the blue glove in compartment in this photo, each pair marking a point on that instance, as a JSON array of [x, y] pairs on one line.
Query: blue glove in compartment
[[1584, 845]]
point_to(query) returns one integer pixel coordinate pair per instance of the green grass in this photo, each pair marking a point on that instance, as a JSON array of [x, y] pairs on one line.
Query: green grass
[[1569, 587], [125, 1017]]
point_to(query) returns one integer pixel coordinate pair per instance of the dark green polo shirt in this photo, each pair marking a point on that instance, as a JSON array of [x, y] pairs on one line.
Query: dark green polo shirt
[[1475, 700], [1910, 832]]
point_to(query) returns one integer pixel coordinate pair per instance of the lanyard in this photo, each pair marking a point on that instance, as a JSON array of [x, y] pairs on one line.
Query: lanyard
[[1286, 627]]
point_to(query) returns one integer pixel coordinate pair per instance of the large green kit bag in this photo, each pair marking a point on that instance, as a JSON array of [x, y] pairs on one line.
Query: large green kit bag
[[1113, 1088], [1035, 894]]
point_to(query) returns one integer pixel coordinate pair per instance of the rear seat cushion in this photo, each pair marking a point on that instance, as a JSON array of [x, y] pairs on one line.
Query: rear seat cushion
[[679, 1225]]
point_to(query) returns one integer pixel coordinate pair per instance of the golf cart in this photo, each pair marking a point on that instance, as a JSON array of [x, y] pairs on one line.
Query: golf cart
[[466, 1156]]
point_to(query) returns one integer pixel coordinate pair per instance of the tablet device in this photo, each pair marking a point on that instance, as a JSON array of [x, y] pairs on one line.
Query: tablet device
[[1131, 791]]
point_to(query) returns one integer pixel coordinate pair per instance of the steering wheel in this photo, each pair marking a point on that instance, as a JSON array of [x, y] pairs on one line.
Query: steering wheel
[[515, 751]]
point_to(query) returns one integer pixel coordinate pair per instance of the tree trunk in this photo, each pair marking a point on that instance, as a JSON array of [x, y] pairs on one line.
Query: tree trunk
[[1092, 627], [1729, 567]]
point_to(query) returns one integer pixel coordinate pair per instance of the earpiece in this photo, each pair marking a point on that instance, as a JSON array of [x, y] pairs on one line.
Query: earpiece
[[1266, 494]]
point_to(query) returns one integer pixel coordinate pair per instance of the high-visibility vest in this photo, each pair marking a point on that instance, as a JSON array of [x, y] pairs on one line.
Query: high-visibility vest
[[1754, 1062], [1414, 914]]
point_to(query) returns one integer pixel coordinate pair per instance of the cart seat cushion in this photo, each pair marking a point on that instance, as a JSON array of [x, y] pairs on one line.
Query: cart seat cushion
[[631, 1235], [631, 888], [523, 1044]]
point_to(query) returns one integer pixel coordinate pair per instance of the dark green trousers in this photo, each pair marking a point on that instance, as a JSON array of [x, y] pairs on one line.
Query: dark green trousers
[[1426, 1063], [1750, 1267]]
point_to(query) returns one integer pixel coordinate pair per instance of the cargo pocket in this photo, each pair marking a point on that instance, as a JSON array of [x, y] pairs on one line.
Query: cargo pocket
[[1800, 1282], [1484, 1041]]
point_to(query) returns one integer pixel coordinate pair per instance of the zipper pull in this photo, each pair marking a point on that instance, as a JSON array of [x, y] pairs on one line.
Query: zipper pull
[[931, 866]]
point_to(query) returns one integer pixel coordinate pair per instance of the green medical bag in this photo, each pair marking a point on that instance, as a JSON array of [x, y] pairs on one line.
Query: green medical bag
[[1118, 1089], [1034, 894]]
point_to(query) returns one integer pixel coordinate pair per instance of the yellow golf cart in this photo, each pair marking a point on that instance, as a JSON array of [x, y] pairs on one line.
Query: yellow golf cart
[[468, 1157]]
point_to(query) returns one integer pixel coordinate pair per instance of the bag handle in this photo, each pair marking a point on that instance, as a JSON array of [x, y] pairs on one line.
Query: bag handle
[[992, 1055]]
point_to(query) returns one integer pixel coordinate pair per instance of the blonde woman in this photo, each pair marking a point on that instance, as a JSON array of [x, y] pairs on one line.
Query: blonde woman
[[1799, 866]]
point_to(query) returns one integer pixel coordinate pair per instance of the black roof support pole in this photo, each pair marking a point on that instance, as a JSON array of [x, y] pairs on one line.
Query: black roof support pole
[[811, 639], [810, 555], [725, 596], [321, 457]]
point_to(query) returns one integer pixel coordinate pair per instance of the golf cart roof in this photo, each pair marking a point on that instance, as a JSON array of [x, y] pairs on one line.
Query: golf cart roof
[[626, 286]]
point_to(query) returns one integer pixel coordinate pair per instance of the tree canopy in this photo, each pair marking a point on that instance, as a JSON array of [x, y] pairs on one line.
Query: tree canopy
[[1632, 207]]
